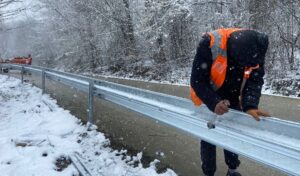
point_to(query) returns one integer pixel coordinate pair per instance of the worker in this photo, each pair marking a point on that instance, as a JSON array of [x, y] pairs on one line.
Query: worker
[[228, 72]]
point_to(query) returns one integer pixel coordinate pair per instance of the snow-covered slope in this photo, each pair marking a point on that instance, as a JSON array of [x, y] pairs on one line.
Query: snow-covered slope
[[37, 137]]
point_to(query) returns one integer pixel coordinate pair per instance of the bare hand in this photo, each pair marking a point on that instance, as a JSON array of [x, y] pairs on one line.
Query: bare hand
[[222, 107], [255, 113]]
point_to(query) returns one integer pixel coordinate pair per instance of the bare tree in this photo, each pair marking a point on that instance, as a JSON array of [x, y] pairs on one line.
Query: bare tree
[[137, 36], [6, 13]]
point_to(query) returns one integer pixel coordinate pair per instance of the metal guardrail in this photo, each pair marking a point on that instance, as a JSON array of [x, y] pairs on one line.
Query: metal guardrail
[[272, 141]]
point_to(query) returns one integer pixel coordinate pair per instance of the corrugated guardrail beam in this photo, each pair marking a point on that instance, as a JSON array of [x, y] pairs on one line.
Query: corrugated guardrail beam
[[273, 142]]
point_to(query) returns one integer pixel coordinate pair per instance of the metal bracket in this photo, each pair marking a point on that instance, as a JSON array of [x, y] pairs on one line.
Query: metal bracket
[[91, 102], [43, 81]]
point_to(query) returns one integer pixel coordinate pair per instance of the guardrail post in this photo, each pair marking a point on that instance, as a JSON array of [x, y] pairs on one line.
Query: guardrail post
[[22, 74], [91, 102], [43, 81]]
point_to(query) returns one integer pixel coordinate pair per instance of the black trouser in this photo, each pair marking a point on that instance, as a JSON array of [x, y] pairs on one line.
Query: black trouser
[[208, 158]]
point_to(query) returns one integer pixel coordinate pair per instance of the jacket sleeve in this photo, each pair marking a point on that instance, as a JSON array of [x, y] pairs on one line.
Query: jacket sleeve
[[252, 90], [200, 77]]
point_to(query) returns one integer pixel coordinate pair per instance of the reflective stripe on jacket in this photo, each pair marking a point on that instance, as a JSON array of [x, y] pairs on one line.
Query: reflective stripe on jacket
[[218, 46]]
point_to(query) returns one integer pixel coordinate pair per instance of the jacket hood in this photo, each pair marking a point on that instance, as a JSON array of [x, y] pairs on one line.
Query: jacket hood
[[248, 47]]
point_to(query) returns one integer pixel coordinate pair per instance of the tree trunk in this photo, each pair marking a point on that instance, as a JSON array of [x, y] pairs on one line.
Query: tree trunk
[[256, 19], [128, 31]]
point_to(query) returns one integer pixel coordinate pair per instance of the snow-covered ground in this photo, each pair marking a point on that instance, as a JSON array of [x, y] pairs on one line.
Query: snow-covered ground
[[37, 137], [285, 86]]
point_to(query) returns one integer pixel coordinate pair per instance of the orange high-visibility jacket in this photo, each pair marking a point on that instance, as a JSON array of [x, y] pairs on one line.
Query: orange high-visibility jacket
[[218, 45]]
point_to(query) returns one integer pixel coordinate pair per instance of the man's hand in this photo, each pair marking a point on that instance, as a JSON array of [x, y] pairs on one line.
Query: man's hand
[[222, 107], [255, 113]]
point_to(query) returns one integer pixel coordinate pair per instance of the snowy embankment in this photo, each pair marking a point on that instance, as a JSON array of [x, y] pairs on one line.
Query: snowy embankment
[[37, 137]]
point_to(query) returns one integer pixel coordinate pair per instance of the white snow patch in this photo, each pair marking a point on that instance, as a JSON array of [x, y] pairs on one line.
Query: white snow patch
[[34, 132]]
